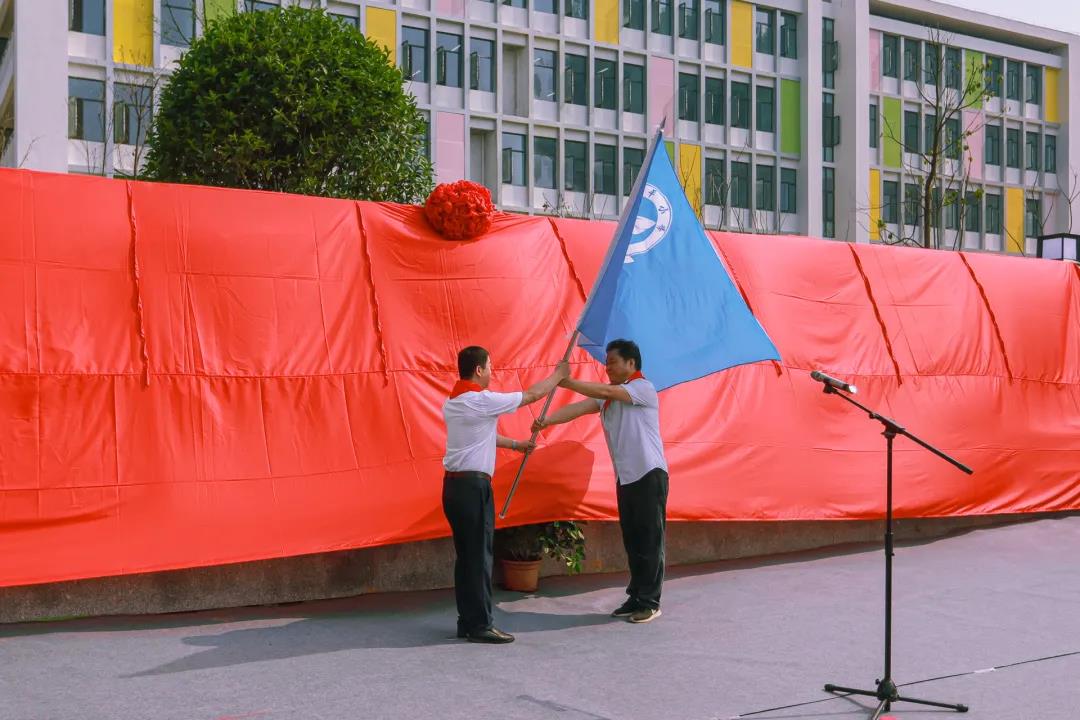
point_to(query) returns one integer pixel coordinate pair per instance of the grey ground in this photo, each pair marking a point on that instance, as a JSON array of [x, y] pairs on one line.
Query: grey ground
[[734, 638]]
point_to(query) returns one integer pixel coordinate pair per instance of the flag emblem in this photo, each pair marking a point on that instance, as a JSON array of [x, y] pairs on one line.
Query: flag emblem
[[652, 223]]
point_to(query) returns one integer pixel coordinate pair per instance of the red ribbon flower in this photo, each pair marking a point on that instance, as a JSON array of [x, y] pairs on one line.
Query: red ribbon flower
[[460, 210]]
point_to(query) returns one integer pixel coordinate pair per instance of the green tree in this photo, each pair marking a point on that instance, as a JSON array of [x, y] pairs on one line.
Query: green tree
[[292, 101]]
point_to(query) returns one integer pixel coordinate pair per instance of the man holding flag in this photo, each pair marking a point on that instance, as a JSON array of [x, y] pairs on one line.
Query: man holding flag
[[630, 414], [662, 284]]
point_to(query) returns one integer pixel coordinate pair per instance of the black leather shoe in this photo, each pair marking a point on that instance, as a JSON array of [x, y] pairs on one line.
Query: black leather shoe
[[490, 636]]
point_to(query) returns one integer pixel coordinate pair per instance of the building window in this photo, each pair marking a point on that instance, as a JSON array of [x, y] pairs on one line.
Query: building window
[[1012, 147], [890, 202], [911, 132], [992, 145], [87, 16], [766, 31], [86, 109], [688, 19], [177, 22], [765, 189], [874, 131], [482, 64], [952, 210], [576, 9], [911, 204], [972, 212], [911, 60], [1050, 149], [544, 87], [516, 3], [661, 17], [890, 49], [605, 82], [634, 14], [604, 170], [1012, 80], [993, 214], [932, 64], [953, 68], [632, 159], [513, 159], [1031, 150], [1032, 218], [766, 109], [545, 6], [828, 202], [1033, 85], [789, 35], [261, 5], [740, 185], [740, 105], [789, 202], [349, 20], [993, 76], [953, 140], [931, 142], [576, 166], [715, 101], [830, 49], [448, 59], [689, 89], [132, 111], [715, 190], [545, 162], [714, 21], [830, 125], [633, 88], [414, 53], [577, 80]]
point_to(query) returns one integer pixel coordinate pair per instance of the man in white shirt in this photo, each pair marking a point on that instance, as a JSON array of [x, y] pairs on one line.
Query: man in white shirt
[[472, 414], [630, 414]]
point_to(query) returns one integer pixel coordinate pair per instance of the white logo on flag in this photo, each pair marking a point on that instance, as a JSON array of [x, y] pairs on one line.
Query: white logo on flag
[[652, 223]]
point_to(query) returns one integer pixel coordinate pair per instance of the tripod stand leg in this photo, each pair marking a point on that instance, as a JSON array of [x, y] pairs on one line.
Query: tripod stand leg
[[948, 706]]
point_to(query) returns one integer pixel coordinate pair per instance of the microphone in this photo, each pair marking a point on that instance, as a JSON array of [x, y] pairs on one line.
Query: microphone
[[833, 382]]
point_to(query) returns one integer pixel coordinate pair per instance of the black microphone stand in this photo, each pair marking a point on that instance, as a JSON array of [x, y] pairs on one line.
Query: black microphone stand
[[886, 691]]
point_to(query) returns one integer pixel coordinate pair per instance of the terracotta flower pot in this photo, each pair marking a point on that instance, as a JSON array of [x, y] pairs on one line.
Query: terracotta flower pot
[[521, 575]]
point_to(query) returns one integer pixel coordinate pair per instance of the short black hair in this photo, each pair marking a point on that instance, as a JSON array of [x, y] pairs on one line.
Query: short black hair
[[469, 359], [627, 350]]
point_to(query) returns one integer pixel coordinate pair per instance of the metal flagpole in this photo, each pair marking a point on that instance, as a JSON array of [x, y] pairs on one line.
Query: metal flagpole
[[588, 301]]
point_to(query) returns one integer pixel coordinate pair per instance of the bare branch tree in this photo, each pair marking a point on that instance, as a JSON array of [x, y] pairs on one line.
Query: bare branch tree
[[941, 159]]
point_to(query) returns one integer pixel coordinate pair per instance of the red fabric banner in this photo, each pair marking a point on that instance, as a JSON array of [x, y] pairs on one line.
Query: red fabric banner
[[193, 376]]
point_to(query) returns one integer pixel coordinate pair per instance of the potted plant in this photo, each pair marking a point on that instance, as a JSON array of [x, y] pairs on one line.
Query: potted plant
[[522, 548]]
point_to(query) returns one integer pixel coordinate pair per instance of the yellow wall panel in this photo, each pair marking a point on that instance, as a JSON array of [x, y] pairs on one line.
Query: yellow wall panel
[[382, 28], [1051, 91], [690, 174], [606, 19], [742, 34], [133, 32], [1014, 220], [875, 204]]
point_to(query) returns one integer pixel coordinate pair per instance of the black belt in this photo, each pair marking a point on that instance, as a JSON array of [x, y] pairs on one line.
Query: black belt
[[467, 474]]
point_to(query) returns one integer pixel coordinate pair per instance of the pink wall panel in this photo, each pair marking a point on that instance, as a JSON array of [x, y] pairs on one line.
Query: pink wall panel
[[973, 123], [451, 7], [449, 147], [661, 90]]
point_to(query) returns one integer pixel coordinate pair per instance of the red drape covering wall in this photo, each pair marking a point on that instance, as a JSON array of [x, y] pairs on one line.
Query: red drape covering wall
[[192, 376]]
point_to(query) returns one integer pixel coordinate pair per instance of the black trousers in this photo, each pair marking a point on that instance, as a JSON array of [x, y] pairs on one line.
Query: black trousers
[[470, 509], [643, 519]]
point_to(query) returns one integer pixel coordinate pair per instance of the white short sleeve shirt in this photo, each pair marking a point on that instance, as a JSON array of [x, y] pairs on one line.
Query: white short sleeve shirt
[[471, 428], [632, 430]]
